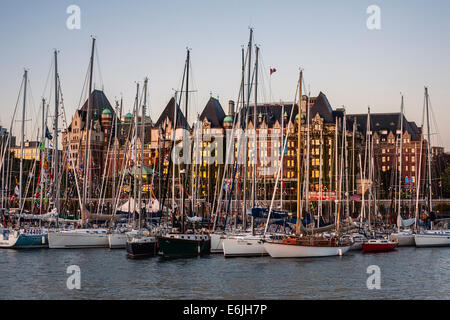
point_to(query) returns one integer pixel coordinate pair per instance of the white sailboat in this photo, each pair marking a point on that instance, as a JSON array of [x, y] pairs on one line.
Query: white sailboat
[[82, 238], [302, 246], [404, 238]]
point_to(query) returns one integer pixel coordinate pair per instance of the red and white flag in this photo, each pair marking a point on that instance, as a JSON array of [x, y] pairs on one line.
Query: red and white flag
[[272, 70]]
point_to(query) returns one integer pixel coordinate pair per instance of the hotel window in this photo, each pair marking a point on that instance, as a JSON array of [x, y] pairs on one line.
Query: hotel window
[[383, 151], [413, 168], [383, 159], [413, 159], [406, 168], [383, 168], [406, 158]]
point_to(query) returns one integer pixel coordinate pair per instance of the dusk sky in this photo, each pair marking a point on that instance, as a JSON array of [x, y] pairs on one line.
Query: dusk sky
[[354, 66]]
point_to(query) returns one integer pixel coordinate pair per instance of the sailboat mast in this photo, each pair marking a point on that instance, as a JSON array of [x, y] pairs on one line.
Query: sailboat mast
[[142, 151], [250, 46], [41, 193], [55, 134], [88, 135], [430, 205], [135, 183], [22, 143], [400, 168], [255, 139], [299, 147]]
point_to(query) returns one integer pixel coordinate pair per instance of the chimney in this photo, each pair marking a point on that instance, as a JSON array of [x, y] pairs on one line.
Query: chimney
[[231, 108]]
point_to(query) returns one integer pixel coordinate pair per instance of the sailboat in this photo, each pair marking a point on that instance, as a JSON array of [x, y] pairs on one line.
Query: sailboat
[[403, 237], [247, 243], [141, 243], [430, 238], [185, 243], [302, 246], [82, 238], [23, 238]]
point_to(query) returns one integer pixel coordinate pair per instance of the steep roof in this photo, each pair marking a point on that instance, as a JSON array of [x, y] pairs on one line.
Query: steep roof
[[214, 113], [271, 113], [389, 122], [323, 108], [168, 113], [99, 102]]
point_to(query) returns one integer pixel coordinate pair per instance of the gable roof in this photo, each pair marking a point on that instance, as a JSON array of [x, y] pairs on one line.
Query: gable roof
[[323, 108], [214, 113], [389, 122], [168, 113]]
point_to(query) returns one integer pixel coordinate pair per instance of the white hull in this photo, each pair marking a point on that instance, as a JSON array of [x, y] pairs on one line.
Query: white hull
[[432, 240], [403, 239], [216, 242], [243, 246], [278, 250], [77, 239], [117, 240], [8, 238]]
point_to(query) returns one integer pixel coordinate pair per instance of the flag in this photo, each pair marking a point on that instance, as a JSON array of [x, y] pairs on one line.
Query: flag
[[47, 134], [272, 70], [42, 146]]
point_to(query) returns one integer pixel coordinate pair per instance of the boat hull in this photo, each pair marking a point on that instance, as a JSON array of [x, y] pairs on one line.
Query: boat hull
[[279, 250], [243, 247], [75, 240], [217, 242], [177, 248], [378, 247], [404, 240], [432, 240], [29, 241], [117, 240], [142, 249]]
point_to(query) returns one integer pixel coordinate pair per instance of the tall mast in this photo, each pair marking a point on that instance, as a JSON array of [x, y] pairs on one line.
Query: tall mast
[[22, 143], [399, 218], [42, 159], [88, 135], [55, 134], [299, 147], [255, 140], [142, 150], [249, 50], [430, 205], [282, 152], [135, 154], [116, 114]]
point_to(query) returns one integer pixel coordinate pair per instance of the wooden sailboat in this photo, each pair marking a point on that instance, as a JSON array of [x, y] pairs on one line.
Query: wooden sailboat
[[301, 245]]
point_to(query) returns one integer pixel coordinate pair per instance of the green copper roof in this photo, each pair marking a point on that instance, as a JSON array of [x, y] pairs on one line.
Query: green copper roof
[[285, 114], [228, 119], [260, 115], [106, 111], [128, 116], [296, 117]]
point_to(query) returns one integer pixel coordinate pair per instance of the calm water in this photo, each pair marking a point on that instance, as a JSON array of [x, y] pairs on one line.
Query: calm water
[[408, 273]]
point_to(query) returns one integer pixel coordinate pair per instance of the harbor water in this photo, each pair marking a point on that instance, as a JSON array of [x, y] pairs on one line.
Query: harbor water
[[406, 273]]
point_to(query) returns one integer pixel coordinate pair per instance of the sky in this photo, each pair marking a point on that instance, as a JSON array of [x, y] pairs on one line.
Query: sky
[[354, 66]]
